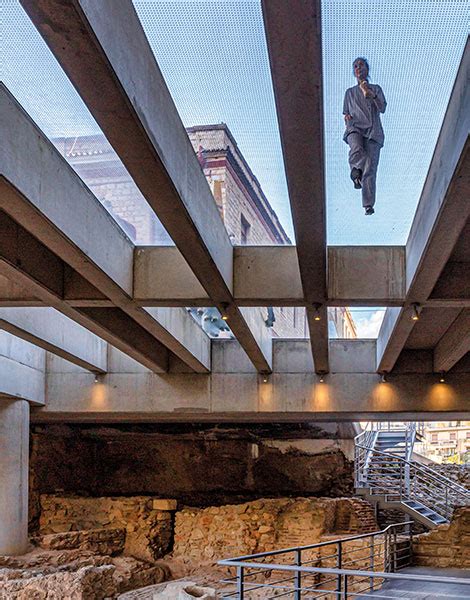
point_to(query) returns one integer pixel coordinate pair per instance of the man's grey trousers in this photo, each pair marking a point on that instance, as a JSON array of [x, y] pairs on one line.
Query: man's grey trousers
[[364, 154]]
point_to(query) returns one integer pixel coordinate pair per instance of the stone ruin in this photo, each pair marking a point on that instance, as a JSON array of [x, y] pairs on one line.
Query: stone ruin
[[97, 548]]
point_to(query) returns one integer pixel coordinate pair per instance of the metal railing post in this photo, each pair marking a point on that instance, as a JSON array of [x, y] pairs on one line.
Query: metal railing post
[[339, 563], [298, 576], [394, 550], [371, 562], [401, 481], [387, 552], [345, 587], [410, 536], [240, 583]]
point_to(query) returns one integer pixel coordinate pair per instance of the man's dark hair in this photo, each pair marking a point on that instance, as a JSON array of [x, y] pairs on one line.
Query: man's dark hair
[[365, 61]]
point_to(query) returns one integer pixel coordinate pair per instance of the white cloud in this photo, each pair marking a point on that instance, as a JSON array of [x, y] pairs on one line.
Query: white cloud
[[368, 324]]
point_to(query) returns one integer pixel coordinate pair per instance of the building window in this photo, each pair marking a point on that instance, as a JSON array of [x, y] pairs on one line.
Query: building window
[[245, 230], [217, 193], [433, 438], [453, 436]]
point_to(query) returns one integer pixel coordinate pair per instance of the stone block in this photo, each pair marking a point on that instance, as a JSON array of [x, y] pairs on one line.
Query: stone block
[[99, 541], [162, 504], [87, 583]]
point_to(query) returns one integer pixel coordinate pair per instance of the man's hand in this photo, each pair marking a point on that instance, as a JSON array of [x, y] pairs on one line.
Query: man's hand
[[347, 117], [368, 93]]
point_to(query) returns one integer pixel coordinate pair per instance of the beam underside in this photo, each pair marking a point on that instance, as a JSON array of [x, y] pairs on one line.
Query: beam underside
[[48, 200], [234, 391], [440, 219], [29, 263], [52, 331], [293, 32], [120, 89]]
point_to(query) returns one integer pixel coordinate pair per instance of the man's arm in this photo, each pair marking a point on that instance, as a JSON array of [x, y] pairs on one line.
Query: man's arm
[[379, 100], [347, 116]]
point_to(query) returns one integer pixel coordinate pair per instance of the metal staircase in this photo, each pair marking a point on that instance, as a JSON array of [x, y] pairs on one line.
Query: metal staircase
[[386, 475]]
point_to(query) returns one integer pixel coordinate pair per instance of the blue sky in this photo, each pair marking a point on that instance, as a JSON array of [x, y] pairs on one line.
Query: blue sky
[[214, 58]]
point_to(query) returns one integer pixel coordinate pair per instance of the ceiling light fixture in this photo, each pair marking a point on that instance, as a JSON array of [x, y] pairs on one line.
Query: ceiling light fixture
[[223, 311], [316, 312], [416, 311], [384, 377], [442, 378]]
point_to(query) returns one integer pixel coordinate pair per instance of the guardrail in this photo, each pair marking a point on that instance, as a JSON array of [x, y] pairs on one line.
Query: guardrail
[[330, 569], [395, 478], [378, 584]]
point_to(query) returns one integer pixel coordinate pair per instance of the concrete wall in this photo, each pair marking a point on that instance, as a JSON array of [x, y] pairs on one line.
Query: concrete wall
[[235, 392]]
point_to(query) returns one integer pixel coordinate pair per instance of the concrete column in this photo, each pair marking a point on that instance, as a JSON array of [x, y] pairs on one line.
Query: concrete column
[[14, 446]]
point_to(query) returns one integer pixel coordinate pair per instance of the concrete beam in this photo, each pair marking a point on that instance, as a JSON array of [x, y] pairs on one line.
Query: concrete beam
[[453, 287], [293, 33], [442, 213], [104, 51], [162, 277], [56, 333], [43, 194], [366, 275], [270, 276], [263, 276], [11, 294], [454, 344], [235, 392], [22, 370], [26, 260], [267, 276]]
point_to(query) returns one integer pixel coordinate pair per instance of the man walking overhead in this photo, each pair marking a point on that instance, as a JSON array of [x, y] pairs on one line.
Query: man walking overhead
[[362, 106]]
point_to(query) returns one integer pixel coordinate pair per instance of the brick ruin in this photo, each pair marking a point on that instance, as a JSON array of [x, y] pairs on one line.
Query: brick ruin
[[100, 548], [115, 509], [199, 466]]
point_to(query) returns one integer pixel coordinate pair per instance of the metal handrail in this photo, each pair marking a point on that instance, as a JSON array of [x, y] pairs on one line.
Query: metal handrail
[[342, 573], [397, 478], [420, 467], [370, 434], [391, 552], [351, 538]]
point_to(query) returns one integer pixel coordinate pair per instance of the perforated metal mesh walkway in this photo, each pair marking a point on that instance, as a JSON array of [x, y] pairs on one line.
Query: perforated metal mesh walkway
[[422, 590]]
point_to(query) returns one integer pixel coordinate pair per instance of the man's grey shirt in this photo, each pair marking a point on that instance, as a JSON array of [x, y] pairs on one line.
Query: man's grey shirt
[[365, 113]]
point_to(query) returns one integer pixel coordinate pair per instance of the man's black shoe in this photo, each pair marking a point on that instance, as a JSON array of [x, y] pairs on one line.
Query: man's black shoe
[[369, 210], [356, 176]]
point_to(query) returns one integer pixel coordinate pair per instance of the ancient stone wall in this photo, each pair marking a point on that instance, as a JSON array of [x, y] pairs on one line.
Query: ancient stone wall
[[99, 547], [147, 522], [75, 574], [198, 467], [207, 535], [392, 516], [447, 545]]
